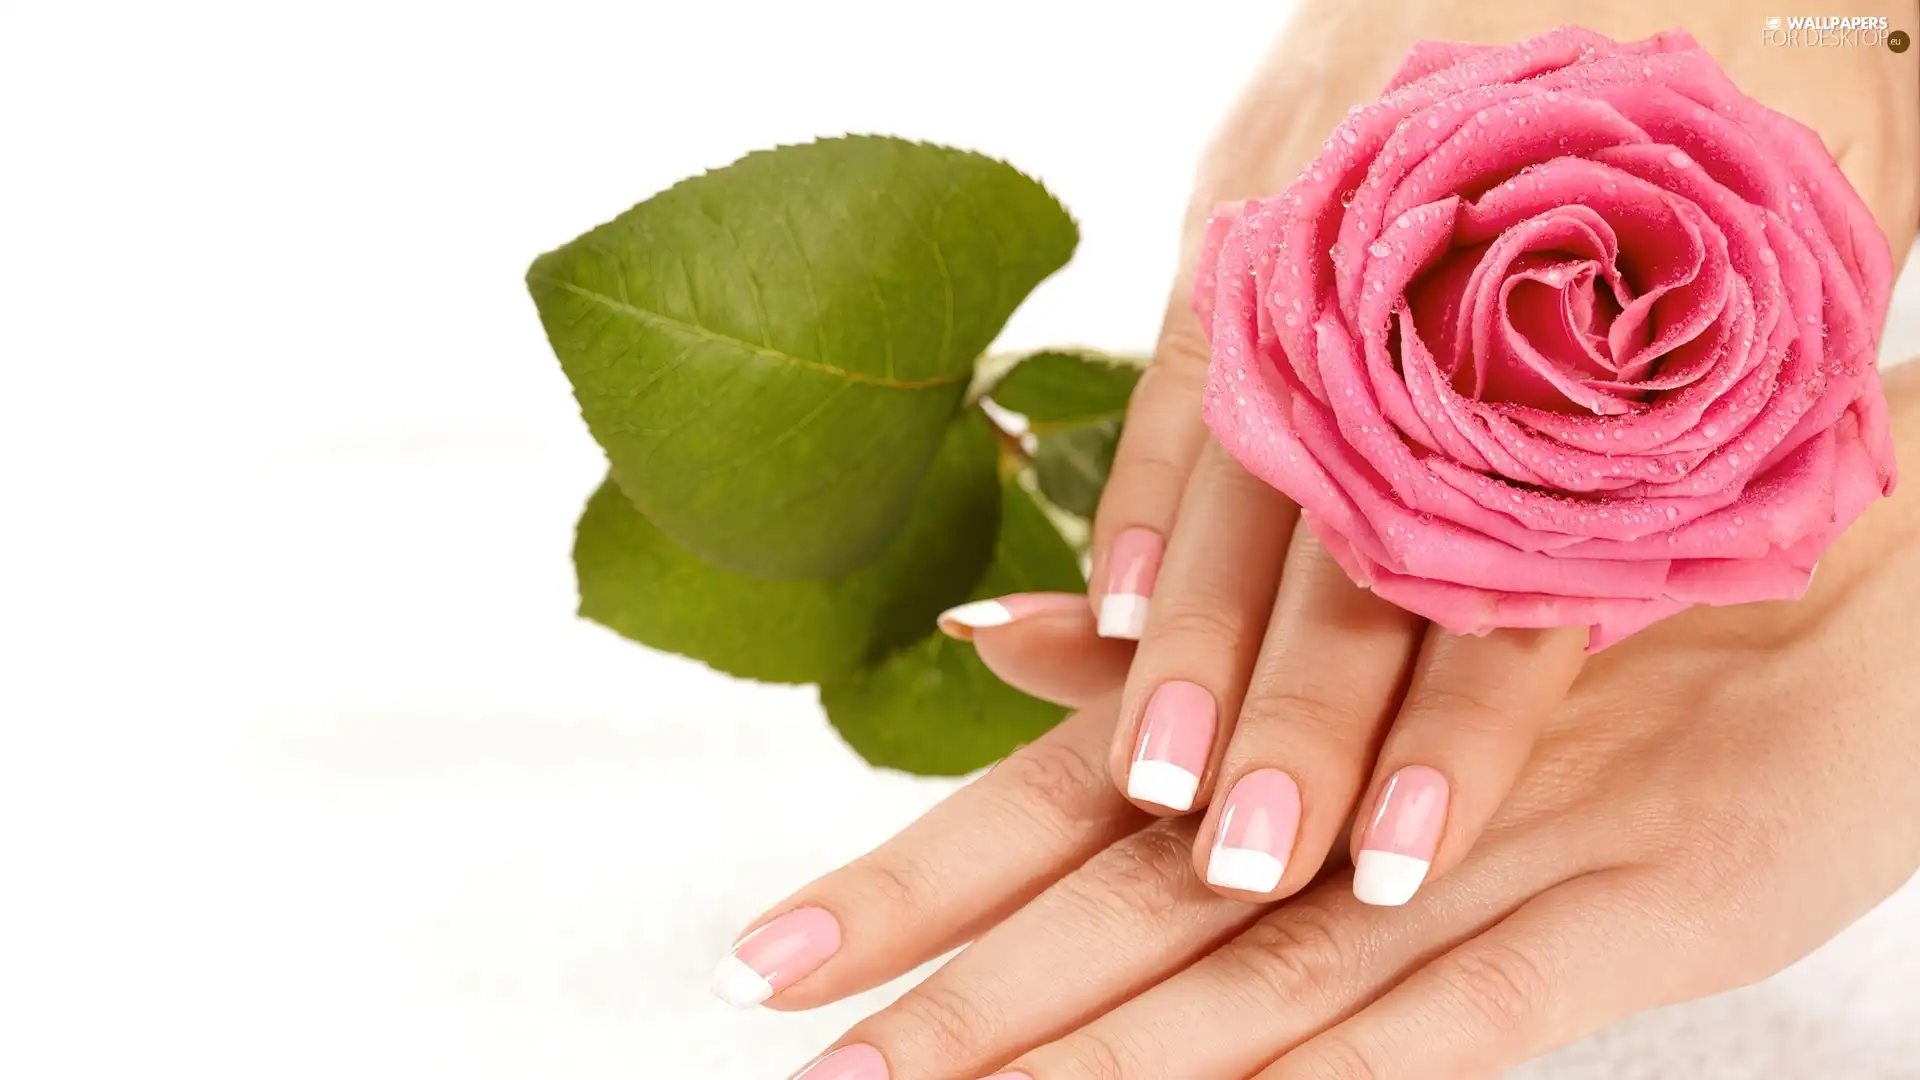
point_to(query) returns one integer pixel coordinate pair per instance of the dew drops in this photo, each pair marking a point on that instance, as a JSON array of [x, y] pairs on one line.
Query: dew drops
[[1672, 513], [1290, 319], [1433, 122], [1380, 249], [1793, 189], [1484, 118], [1404, 221], [1678, 159], [1794, 206], [1346, 197], [1348, 134], [1767, 256]]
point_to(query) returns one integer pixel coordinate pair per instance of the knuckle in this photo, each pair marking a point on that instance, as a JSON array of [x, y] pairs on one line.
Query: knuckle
[[1304, 711], [1460, 709], [1148, 468], [1180, 358], [1095, 1055], [1336, 1056], [1499, 984], [1202, 625], [948, 1022], [1139, 881], [1293, 954], [901, 883], [1056, 785]]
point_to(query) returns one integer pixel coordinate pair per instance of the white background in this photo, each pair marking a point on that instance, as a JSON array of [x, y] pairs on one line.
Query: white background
[[306, 767]]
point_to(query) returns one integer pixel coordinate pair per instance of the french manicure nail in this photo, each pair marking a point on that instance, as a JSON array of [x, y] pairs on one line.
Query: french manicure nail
[[1397, 849], [776, 956], [856, 1062], [1176, 737], [960, 622], [1133, 563], [1257, 828]]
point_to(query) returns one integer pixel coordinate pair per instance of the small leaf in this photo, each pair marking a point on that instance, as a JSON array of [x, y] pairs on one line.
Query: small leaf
[[1071, 465], [769, 352], [1067, 387], [933, 707], [638, 582]]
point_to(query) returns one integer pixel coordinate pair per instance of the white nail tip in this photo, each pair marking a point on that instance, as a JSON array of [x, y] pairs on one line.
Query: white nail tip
[[1162, 783], [1123, 615], [737, 984], [978, 615], [1386, 879], [1244, 869]]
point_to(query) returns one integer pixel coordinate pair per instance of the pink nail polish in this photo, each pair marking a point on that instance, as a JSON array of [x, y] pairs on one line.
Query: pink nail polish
[[856, 1062], [1133, 564], [775, 956], [1176, 737], [960, 622], [1257, 827], [1397, 849]]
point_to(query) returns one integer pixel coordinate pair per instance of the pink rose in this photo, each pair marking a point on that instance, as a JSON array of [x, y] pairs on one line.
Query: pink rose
[[1564, 333]]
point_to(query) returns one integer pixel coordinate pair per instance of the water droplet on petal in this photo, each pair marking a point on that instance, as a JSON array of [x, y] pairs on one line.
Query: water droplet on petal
[[1380, 249], [1767, 256], [1678, 159], [1348, 134]]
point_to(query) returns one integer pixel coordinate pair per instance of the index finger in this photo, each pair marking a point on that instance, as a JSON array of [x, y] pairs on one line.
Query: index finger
[[1158, 447], [962, 867]]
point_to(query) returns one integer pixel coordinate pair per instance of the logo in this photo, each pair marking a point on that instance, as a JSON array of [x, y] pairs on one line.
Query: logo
[[1828, 31]]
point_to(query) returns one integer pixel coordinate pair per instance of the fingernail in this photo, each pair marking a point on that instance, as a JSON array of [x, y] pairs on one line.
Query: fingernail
[[1010, 1076], [1176, 735], [960, 622], [1398, 847], [856, 1062], [1132, 565], [1257, 828], [776, 956]]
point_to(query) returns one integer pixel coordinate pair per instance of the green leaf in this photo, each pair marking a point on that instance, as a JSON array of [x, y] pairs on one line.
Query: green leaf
[[1071, 465], [769, 352], [933, 707], [637, 581], [1062, 387]]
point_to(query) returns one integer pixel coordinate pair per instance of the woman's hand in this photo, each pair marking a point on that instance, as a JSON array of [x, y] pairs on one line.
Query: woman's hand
[[1716, 796], [1267, 687]]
